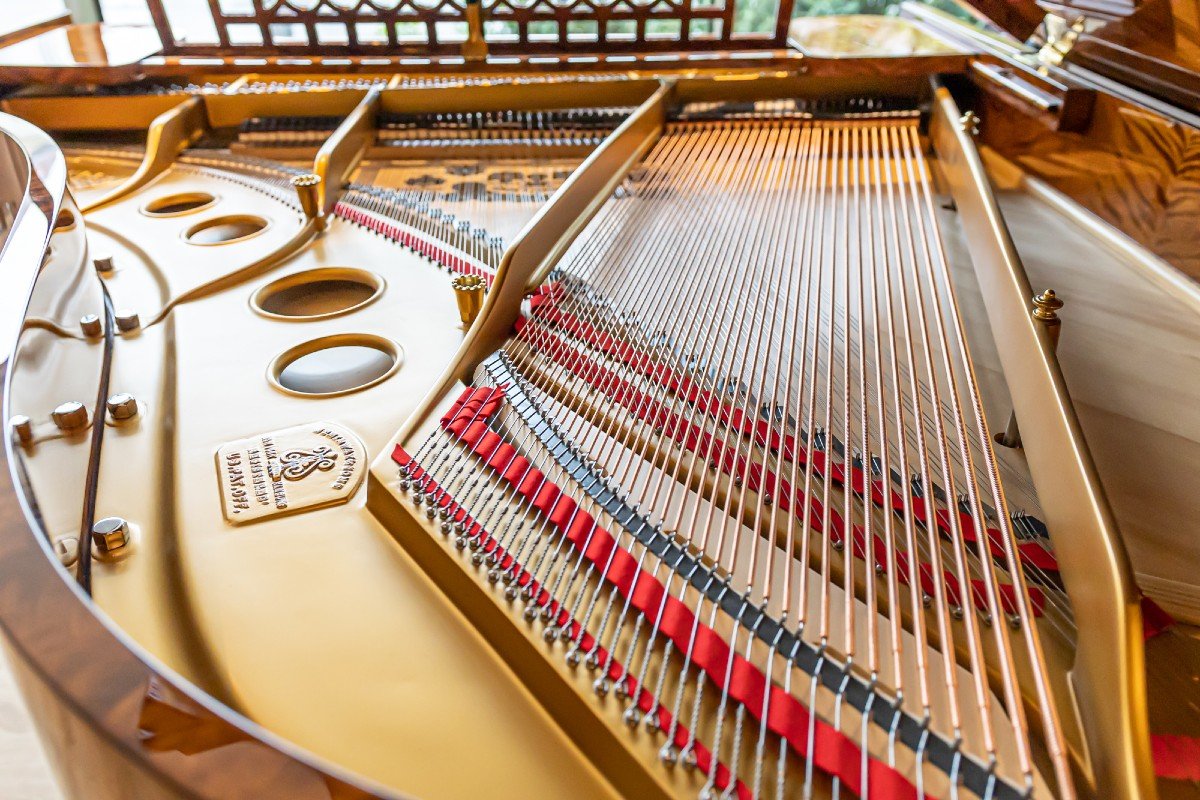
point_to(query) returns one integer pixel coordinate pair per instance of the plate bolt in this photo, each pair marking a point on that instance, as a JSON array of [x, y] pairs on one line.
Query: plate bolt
[[70, 416], [22, 428], [110, 534], [128, 321], [90, 325], [122, 406]]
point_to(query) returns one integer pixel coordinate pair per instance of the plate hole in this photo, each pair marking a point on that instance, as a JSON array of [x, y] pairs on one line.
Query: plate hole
[[172, 205], [335, 365], [318, 293], [222, 230]]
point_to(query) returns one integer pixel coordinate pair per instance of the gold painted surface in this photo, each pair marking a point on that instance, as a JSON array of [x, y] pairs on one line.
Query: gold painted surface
[[156, 265], [341, 152], [91, 176], [168, 135], [315, 625]]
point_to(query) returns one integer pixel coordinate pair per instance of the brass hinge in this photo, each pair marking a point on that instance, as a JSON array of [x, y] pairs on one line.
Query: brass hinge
[[968, 123], [1060, 38]]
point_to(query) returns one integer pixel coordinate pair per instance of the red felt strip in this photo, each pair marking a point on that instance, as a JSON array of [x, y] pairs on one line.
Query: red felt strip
[[725, 457], [431, 248], [547, 310], [584, 640], [1176, 757], [833, 752], [1154, 619]]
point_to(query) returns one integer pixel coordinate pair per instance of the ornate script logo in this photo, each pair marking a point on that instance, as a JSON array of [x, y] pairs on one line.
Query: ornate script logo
[[296, 464]]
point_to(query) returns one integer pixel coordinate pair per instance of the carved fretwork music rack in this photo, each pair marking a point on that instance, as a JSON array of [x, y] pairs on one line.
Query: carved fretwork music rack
[[430, 27]]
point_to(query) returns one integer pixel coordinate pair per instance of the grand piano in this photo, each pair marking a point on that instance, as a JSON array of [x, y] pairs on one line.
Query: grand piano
[[626, 399]]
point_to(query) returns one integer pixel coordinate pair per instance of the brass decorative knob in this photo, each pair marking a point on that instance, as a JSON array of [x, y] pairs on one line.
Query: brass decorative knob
[[90, 325], [969, 123], [308, 190], [122, 406], [1046, 306], [110, 533], [469, 291], [70, 416]]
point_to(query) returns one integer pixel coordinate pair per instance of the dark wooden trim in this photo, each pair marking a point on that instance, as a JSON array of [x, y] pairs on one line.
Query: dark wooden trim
[[525, 38], [1018, 17]]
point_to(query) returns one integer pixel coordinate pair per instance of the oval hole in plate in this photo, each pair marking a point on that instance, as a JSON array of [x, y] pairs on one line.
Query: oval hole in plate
[[334, 365], [223, 230], [174, 205], [318, 293]]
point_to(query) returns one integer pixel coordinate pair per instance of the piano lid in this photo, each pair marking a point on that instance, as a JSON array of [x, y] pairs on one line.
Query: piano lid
[[1149, 45], [1153, 45], [1018, 17]]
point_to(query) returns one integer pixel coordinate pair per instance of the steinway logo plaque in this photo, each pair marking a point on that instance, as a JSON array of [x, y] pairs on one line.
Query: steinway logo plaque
[[289, 470]]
